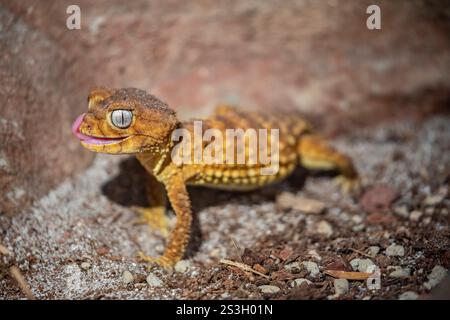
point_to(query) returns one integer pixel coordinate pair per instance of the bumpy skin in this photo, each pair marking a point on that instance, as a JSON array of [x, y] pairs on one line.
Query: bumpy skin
[[149, 138]]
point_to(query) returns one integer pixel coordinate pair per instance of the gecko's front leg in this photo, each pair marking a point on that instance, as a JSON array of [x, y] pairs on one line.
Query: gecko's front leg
[[179, 237]]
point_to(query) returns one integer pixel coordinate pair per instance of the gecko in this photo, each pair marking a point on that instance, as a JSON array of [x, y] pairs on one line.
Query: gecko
[[132, 121]]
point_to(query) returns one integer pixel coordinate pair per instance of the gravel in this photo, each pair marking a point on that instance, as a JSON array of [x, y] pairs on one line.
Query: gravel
[[88, 218]]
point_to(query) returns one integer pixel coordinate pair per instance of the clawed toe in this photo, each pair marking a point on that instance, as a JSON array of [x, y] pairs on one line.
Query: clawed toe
[[161, 261], [348, 185]]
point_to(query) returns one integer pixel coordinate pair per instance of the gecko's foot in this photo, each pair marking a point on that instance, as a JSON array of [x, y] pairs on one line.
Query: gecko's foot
[[154, 217], [161, 261], [348, 185]]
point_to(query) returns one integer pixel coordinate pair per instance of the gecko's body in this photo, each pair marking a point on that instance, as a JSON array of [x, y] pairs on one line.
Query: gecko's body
[[130, 121]]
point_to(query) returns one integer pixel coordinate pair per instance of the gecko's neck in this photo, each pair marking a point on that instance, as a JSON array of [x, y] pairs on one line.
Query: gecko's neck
[[155, 160]]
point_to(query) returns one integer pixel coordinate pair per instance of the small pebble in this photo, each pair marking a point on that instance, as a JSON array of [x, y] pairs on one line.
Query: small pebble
[[415, 215], [287, 200], [373, 250], [357, 219], [359, 227], [399, 272], [85, 265], [437, 275], [402, 211], [292, 266], [298, 282], [433, 200], [395, 250], [408, 295], [153, 280], [340, 286], [127, 277], [323, 227], [361, 265], [182, 266], [314, 254], [269, 289], [312, 268]]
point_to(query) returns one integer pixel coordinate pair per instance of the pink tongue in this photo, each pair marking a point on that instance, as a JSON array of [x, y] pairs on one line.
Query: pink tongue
[[76, 127]]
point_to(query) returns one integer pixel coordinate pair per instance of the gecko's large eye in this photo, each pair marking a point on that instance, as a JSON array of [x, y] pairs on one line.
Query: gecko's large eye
[[121, 118]]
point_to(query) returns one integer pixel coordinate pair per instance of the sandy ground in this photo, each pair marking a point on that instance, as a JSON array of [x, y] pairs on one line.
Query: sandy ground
[[80, 241]]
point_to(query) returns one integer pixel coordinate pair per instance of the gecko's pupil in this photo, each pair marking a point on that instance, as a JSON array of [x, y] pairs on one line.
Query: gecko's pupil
[[121, 118]]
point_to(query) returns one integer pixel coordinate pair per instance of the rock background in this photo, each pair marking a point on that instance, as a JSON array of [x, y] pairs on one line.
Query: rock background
[[316, 56]]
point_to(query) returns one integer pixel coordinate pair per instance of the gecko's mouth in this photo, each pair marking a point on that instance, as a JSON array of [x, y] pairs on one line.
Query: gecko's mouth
[[91, 139]]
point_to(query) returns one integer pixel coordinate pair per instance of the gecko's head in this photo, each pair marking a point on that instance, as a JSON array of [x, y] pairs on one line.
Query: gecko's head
[[124, 121]]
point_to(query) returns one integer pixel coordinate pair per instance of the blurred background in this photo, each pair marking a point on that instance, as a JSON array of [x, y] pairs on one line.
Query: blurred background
[[314, 56]]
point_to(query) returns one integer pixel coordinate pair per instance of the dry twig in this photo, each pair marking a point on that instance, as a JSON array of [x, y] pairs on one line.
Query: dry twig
[[243, 267], [17, 275], [348, 275]]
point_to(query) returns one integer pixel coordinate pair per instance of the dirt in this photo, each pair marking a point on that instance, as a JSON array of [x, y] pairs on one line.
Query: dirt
[[79, 240]]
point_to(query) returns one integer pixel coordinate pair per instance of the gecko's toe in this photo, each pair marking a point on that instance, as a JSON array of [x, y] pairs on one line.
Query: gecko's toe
[[161, 261], [155, 218], [347, 185]]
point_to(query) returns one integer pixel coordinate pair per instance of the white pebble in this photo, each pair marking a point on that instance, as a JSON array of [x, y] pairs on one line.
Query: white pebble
[[85, 265], [373, 250], [402, 211], [433, 200], [399, 272], [127, 277], [415, 215], [395, 250], [408, 295], [361, 265], [269, 289], [323, 227], [312, 268], [292, 266], [341, 286], [153, 280], [437, 275], [182, 266], [298, 282]]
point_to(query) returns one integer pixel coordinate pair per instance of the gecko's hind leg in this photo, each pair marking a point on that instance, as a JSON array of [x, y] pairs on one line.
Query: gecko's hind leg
[[316, 154], [155, 215]]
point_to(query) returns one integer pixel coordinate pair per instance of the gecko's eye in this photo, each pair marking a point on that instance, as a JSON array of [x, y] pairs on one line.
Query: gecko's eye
[[121, 118]]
